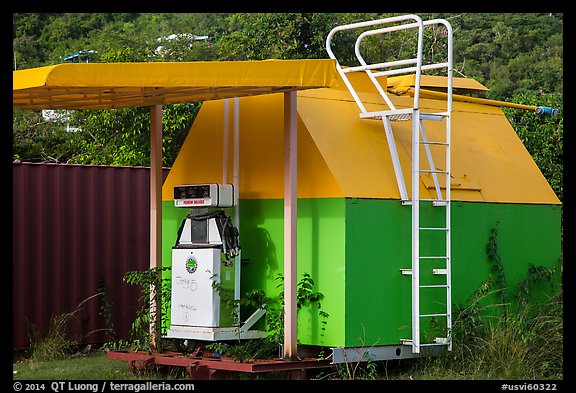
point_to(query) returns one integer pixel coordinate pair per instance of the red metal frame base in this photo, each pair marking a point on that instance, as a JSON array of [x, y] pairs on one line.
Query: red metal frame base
[[206, 367]]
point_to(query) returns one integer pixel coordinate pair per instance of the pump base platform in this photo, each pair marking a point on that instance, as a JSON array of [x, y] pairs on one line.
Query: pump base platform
[[208, 367], [212, 333]]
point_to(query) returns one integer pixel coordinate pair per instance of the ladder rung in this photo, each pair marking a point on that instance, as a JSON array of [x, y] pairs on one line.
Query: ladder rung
[[381, 65], [432, 344], [439, 271], [392, 114], [372, 116], [433, 315], [433, 171], [433, 257], [434, 143], [379, 115], [401, 117], [434, 286], [437, 341], [434, 200], [433, 116], [434, 229]]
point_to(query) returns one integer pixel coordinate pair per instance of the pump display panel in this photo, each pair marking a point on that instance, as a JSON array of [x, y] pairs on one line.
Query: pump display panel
[[204, 195]]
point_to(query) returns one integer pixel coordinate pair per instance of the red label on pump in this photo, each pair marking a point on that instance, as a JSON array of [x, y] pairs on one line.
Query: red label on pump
[[193, 202]]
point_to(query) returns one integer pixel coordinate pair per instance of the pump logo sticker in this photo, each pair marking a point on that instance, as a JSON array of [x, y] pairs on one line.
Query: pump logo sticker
[[191, 264]]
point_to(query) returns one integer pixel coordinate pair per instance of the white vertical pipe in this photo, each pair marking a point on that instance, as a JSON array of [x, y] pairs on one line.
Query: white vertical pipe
[[225, 133], [236, 182], [448, 191], [236, 158], [415, 231], [290, 223]]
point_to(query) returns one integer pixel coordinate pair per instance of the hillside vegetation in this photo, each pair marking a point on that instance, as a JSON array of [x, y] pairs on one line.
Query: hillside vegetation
[[518, 56]]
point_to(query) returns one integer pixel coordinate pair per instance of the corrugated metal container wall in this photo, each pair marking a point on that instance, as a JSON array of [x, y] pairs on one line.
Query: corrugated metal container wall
[[77, 229]]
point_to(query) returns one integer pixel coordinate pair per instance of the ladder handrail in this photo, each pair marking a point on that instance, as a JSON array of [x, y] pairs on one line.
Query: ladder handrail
[[449, 92], [450, 65], [418, 60], [357, 25]]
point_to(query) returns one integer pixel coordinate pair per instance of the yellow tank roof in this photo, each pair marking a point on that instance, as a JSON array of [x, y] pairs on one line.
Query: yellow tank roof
[[341, 155], [400, 84]]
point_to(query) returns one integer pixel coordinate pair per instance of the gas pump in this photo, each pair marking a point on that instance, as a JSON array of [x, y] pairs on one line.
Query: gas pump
[[204, 260]]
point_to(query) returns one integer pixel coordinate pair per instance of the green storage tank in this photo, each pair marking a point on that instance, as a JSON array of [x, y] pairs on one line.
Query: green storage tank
[[354, 233]]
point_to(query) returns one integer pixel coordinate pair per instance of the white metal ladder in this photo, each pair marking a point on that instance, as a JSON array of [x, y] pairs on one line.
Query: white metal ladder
[[419, 140]]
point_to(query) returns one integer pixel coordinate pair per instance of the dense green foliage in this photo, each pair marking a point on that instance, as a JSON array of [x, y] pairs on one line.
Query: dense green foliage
[[518, 56]]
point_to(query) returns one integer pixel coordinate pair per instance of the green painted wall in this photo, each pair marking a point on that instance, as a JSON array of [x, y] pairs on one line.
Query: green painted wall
[[320, 253], [354, 250], [378, 244]]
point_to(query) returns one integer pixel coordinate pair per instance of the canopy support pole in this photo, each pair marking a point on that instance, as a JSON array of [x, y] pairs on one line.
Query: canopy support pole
[[155, 214], [290, 223]]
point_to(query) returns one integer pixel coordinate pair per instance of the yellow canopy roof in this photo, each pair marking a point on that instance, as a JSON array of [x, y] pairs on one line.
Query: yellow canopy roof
[[121, 85]]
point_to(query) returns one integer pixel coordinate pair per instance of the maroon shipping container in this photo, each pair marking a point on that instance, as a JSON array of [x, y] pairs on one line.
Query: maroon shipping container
[[77, 229]]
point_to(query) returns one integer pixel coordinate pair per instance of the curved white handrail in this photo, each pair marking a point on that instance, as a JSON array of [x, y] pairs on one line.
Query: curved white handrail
[[418, 23]]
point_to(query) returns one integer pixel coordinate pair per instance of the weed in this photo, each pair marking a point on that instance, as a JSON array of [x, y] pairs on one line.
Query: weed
[[56, 343], [535, 274], [497, 278], [154, 290], [106, 309], [268, 346], [363, 368]]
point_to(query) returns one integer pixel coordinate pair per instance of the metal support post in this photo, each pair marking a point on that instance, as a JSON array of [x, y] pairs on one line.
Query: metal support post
[[290, 223], [155, 212]]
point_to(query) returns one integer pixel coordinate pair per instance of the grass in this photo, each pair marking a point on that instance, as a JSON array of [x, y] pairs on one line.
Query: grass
[[93, 366], [526, 344]]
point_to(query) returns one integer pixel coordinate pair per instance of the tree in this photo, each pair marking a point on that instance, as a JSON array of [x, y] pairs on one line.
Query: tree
[[510, 53], [122, 136], [35, 138], [542, 135], [275, 36]]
